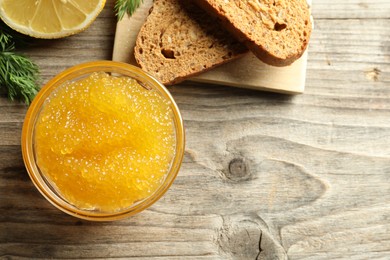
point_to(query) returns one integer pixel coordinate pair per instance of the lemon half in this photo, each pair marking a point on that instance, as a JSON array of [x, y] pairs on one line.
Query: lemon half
[[50, 19]]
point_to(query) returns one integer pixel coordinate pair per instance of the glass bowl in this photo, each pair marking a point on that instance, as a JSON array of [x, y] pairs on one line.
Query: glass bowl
[[46, 187]]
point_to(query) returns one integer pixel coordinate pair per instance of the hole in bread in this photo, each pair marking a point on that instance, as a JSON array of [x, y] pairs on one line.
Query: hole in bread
[[141, 50], [169, 54], [304, 45], [227, 56], [280, 26]]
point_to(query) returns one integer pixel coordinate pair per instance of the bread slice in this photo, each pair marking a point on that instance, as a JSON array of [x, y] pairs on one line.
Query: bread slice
[[276, 31], [179, 40]]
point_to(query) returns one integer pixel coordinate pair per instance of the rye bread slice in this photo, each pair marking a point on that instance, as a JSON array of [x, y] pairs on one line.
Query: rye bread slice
[[179, 40], [276, 31]]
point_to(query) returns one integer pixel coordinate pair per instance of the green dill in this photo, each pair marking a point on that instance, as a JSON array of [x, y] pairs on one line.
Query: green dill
[[18, 74], [128, 7]]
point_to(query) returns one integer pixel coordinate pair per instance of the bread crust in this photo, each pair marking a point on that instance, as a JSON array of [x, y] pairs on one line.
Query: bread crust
[[276, 31], [179, 40]]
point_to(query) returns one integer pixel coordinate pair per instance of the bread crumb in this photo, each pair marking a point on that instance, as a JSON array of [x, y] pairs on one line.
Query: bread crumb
[[373, 74], [193, 35], [255, 5]]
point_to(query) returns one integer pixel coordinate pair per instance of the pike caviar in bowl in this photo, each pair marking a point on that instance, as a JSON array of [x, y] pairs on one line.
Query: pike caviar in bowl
[[103, 140]]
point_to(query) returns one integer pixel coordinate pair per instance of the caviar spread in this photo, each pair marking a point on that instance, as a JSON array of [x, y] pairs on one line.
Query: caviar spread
[[105, 142]]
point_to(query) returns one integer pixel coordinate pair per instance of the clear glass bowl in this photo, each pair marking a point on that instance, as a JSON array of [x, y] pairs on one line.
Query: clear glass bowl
[[73, 74]]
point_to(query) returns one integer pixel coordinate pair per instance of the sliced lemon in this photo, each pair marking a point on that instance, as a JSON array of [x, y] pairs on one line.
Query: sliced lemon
[[50, 19]]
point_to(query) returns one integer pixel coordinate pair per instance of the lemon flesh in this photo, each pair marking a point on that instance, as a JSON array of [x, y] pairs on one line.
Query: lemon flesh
[[50, 18]]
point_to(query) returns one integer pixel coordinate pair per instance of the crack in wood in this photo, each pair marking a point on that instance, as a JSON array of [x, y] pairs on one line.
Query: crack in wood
[[248, 237], [260, 249]]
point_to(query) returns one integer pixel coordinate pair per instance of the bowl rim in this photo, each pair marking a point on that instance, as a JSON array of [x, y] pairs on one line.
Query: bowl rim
[[34, 111]]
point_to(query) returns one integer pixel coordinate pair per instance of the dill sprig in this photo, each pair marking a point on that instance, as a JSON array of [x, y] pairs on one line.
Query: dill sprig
[[123, 7], [18, 74]]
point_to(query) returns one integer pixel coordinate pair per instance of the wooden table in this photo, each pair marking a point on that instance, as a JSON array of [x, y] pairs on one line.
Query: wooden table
[[265, 176]]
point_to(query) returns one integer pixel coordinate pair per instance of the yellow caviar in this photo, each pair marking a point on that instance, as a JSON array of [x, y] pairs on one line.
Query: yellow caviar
[[105, 142]]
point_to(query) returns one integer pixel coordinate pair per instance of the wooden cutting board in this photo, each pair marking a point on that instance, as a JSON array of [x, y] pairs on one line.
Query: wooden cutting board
[[246, 72]]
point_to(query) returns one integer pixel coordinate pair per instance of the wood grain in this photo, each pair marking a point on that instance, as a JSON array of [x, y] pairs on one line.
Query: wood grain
[[265, 176]]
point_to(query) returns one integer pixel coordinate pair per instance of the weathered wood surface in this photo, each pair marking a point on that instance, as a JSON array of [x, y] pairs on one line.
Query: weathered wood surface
[[265, 176]]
